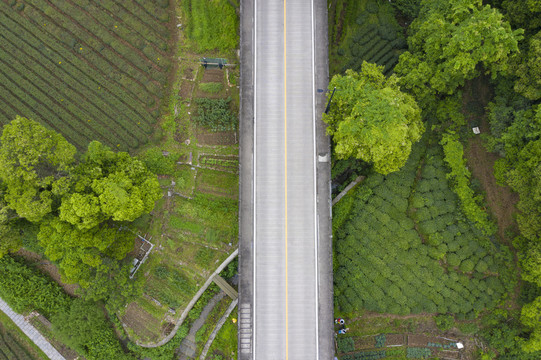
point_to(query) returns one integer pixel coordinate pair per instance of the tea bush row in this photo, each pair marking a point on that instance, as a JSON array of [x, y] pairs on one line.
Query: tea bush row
[[397, 254]]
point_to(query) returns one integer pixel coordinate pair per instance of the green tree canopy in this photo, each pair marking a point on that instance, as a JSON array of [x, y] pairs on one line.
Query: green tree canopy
[[80, 207], [528, 71], [34, 162], [453, 41], [371, 119], [531, 317], [109, 185]]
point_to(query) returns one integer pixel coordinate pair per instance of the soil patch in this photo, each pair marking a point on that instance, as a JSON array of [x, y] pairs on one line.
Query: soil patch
[[205, 137], [340, 25], [141, 322], [501, 200], [185, 91], [394, 339], [213, 75]]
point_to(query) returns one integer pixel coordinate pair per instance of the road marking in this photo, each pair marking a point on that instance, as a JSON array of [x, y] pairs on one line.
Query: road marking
[[285, 166], [254, 262], [316, 222]]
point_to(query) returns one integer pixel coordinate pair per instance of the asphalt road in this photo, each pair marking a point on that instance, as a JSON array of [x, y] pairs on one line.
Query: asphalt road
[[285, 304]]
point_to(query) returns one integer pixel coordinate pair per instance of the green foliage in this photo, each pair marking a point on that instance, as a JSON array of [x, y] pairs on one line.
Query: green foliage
[[444, 322], [372, 120], [460, 175], [86, 329], [451, 42], [26, 289], [375, 37], [418, 353], [211, 87], [528, 70], [77, 206], [345, 344], [34, 162], [382, 263], [99, 77], [231, 269], [211, 24], [366, 355], [215, 114], [410, 8], [157, 163]]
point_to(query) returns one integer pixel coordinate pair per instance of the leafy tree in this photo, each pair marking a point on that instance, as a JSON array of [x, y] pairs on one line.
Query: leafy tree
[[372, 120], [10, 236], [410, 8], [81, 253], [108, 185], [460, 176], [529, 70], [531, 263], [34, 162], [531, 317], [453, 41], [523, 14]]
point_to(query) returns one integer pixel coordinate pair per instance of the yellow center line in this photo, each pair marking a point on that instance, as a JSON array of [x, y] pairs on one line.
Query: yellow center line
[[285, 165]]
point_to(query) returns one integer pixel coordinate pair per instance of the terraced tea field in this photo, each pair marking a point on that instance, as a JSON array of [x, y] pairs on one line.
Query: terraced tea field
[[91, 70]]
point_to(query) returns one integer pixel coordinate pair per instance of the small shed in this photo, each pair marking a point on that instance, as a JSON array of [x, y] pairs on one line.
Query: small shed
[[213, 63]]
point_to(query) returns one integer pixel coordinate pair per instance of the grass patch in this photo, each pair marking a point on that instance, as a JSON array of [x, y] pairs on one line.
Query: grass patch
[[225, 343], [211, 87], [218, 183], [212, 24]]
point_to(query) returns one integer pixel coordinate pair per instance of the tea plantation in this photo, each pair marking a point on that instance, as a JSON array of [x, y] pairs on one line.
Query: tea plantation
[[405, 247], [89, 70]]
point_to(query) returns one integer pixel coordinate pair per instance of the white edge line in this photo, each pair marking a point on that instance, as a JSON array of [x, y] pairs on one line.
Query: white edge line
[[316, 222], [254, 182]]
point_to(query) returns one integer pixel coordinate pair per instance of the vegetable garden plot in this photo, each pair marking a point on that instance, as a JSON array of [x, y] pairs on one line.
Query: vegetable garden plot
[[90, 70], [143, 323]]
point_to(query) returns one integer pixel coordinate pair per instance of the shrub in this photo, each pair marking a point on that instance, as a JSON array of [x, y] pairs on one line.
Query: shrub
[[444, 322], [215, 114], [345, 344], [467, 266]]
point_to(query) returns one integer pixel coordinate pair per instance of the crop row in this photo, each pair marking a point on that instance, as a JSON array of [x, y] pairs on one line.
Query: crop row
[[12, 349], [94, 53], [130, 22], [49, 86], [93, 83], [117, 70], [72, 19], [44, 105], [135, 11], [124, 33], [155, 8], [366, 355], [17, 98], [45, 78], [76, 106]]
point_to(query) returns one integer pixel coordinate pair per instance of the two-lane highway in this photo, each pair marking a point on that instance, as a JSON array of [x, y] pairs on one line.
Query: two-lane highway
[[285, 253], [285, 237]]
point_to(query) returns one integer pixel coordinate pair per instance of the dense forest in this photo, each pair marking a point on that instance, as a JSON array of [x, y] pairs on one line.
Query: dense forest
[[418, 236]]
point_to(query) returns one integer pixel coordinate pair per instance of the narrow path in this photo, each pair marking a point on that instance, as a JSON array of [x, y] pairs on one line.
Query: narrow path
[[188, 347], [217, 328], [31, 332], [190, 305]]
